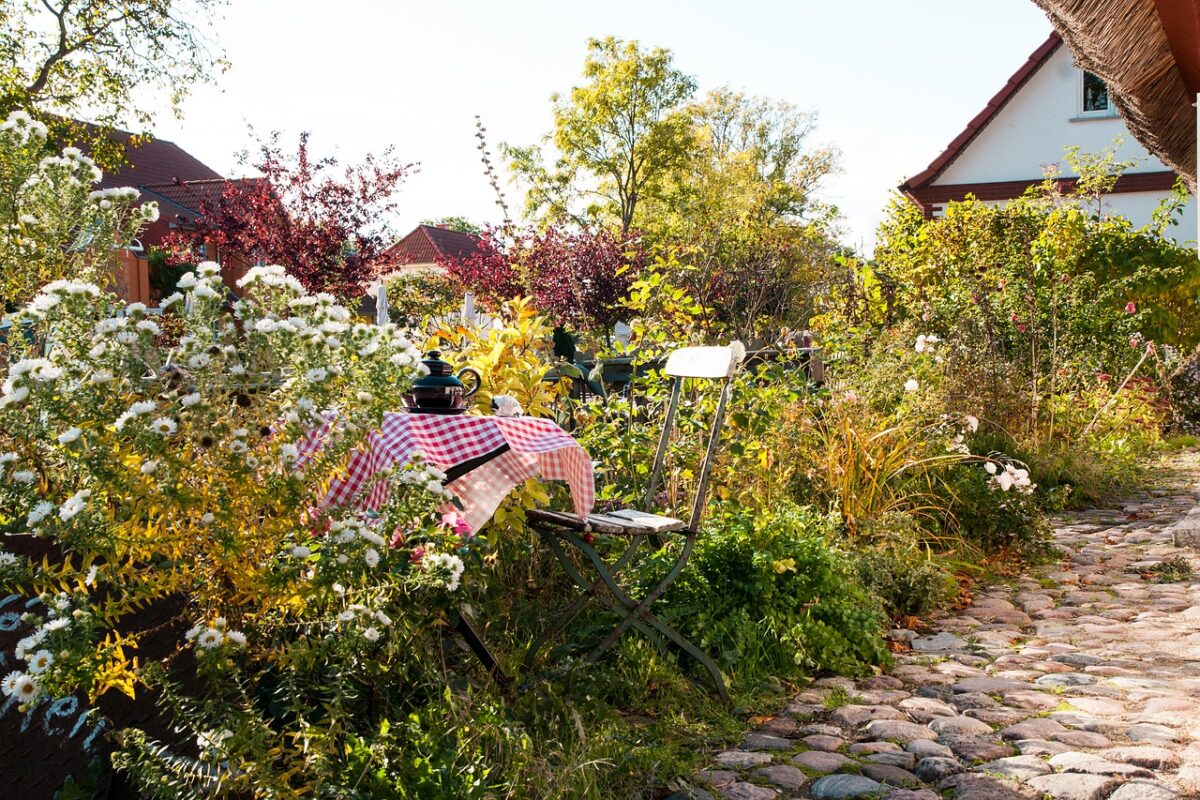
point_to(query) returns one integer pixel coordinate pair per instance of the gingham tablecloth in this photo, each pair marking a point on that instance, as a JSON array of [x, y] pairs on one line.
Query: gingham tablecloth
[[536, 447]]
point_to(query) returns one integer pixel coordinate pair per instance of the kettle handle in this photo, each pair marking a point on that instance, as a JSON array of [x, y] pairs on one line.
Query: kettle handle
[[478, 380]]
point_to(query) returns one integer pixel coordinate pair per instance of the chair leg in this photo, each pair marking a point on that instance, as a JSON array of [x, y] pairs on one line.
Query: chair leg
[[641, 609], [695, 652], [634, 613], [479, 647], [590, 589]]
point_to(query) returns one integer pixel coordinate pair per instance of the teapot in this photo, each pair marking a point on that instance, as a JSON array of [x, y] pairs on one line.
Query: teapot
[[442, 390]]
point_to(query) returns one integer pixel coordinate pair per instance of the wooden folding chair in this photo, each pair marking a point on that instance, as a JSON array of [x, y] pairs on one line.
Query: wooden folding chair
[[641, 526]]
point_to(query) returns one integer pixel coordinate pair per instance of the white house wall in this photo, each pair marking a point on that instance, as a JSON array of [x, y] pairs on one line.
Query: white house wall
[[1033, 129]]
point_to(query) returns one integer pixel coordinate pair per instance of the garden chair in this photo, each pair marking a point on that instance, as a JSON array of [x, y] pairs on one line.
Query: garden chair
[[639, 527]]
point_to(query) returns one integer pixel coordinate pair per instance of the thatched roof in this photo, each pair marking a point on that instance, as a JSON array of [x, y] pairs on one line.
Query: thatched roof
[[1126, 43]]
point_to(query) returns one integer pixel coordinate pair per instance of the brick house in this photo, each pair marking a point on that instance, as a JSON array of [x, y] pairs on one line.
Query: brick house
[[179, 182]]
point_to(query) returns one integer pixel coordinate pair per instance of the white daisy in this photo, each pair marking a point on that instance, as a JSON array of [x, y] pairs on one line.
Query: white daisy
[[371, 634], [74, 504], [40, 512], [189, 400], [164, 426], [237, 637], [40, 661], [69, 435], [210, 638]]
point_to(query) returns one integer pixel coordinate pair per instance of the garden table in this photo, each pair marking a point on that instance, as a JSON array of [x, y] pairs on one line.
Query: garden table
[[483, 458]]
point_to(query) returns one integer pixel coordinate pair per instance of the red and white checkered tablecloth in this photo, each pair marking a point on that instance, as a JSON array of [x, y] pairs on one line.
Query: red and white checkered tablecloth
[[536, 447]]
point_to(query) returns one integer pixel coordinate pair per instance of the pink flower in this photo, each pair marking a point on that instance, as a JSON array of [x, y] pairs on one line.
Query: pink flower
[[416, 555], [1130, 308], [455, 522], [1021, 327]]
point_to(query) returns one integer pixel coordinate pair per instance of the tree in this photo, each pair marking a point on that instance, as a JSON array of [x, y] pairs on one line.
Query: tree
[[454, 223], [742, 217], [616, 136], [578, 277], [327, 226], [93, 58]]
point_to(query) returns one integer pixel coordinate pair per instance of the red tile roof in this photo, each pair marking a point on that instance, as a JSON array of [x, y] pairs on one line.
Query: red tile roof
[[155, 161], [1035, 61], [188, 196], [428, 244]]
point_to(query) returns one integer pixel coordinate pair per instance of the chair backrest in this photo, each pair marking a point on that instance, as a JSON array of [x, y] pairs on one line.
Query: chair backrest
[[711, 363]]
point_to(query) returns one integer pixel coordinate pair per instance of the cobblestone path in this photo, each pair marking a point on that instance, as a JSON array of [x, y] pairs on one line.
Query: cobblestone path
[[1078, 681]]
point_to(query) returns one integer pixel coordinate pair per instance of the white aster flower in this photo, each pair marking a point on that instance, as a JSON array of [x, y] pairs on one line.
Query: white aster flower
[[371, 556], [148, 467], [74, 504], [40, 661], [69, 435], [21, 686], [210, 638], [236, 637], [300, 551], [40, 511], [911, 385], [164, 426], [189, 400], [24, 476], [371, 634]]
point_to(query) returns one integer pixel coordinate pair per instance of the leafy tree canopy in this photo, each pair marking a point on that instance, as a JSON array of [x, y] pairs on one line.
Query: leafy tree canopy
[[616, 136], [92, 59]]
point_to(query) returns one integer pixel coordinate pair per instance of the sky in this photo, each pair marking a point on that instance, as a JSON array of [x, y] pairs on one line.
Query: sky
[[892, 81]]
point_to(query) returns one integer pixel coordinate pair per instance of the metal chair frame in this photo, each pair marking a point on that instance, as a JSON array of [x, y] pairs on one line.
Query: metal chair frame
[[692, 363]]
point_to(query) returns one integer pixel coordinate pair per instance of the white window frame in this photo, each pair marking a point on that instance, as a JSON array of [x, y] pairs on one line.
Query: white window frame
[[1080, 114]]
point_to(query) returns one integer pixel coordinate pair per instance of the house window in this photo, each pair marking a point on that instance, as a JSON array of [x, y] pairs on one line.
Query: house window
[[1095, 96]]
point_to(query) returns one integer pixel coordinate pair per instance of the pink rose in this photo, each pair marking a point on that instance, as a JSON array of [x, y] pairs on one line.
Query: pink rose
[[1130, 308]]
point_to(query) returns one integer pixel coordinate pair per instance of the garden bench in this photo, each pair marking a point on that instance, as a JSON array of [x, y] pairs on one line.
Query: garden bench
[[598, 578]]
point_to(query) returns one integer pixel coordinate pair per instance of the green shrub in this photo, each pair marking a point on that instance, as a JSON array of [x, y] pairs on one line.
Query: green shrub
[[770, 596], [992, 520], [907, 582]]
